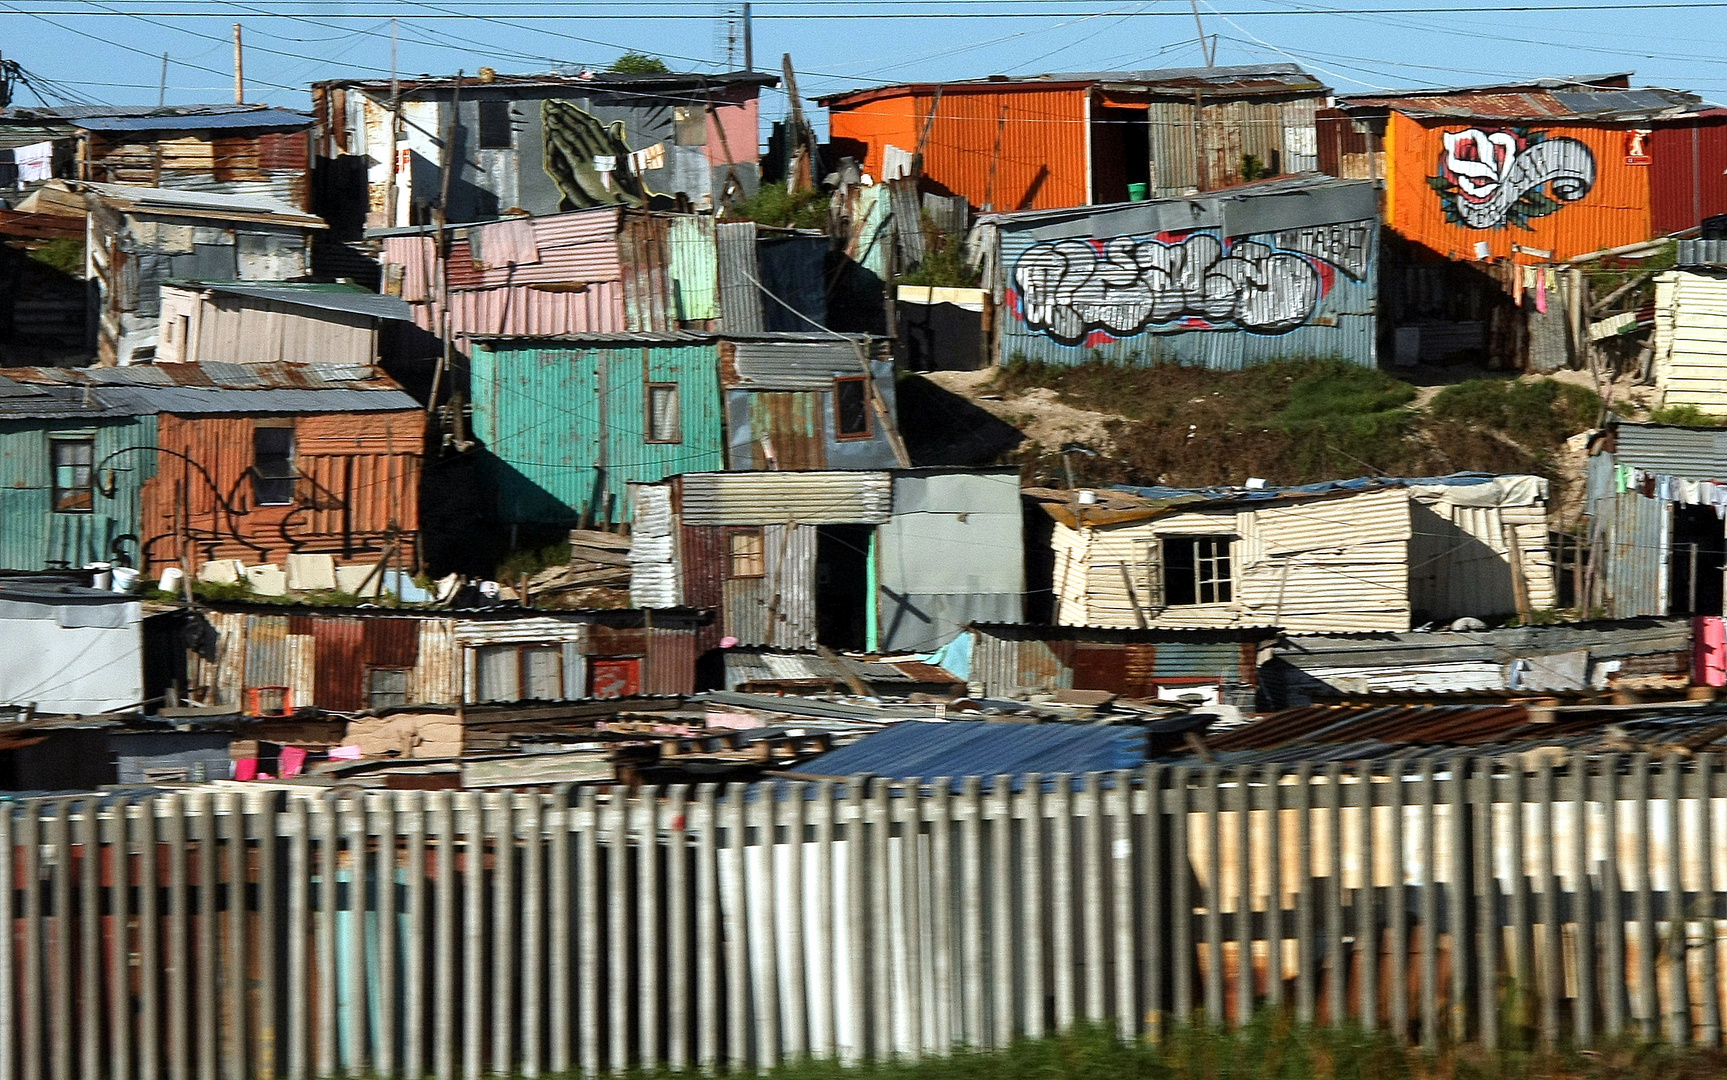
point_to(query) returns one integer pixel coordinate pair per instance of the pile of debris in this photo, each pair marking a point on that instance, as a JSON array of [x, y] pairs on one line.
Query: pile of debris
[[597, 575]]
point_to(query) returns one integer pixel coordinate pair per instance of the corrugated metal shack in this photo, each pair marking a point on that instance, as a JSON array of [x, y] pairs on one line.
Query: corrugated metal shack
[[49, 523], [670, 403], [277, 322], [1368, 554], [1228, 280], [240, 150], [1564, 166], [1012, 660], [1655, 525], [140, 238], [1691, 328], [273, 659], [861, 561], [1523, 659], [608, 270], [1047, 141], [537, 144], [218, 461]]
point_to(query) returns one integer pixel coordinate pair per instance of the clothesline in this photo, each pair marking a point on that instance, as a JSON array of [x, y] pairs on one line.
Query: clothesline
[[1676, 489]]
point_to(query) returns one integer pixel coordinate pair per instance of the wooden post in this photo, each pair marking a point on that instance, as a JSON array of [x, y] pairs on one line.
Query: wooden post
[[239, 69]]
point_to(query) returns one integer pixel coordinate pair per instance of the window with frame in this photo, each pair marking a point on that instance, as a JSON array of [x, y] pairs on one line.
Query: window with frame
[[73, 458], [748, 555], [1197, 570], [496, 131], [851, 407], [273, 472], [665, 417], [517, 672], [386, 688]]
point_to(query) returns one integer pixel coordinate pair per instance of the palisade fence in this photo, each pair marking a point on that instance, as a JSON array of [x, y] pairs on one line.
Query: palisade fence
[[228, 933]]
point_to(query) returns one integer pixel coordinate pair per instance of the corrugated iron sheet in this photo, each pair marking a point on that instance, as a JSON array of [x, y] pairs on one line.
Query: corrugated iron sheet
[[778, 608], [1635, 567], [740, 299], [266, 650], [785, 432], [795, 365], [653, 548], [643, 247], [1317, 237], [671, 662], [392, 642], [1694, 453], [1685, 181], [556, 472], [918, 749], [807, 498], [338, 674], [694, 267], [32, 535]]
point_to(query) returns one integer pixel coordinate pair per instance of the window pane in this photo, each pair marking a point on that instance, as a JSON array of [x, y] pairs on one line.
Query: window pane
[[494, 125], [388, 688], [72, 460], [851, 407], [747, 554], [1197, 570], [273, 465], [664, 423]]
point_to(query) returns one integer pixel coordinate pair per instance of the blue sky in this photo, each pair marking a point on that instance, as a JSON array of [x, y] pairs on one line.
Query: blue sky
[[88, 51]]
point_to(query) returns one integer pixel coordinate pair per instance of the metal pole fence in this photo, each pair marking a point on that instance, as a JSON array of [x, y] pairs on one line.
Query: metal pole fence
[[225, 933]]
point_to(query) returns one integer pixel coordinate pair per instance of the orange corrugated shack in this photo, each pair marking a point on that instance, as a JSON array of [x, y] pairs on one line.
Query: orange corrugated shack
[[1045, 142], [1543, 171]]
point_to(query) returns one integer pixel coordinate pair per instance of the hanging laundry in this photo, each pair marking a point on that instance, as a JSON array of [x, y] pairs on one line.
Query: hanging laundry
[[1541, 291], [1688, 492], [35, 162]]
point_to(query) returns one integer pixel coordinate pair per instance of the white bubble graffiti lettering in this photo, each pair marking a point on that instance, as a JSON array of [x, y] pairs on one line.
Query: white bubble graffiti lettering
[[1069, 288]]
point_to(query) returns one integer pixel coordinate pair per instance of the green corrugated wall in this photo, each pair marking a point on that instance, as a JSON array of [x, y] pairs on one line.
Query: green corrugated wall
[[559, 448], [32, 536]]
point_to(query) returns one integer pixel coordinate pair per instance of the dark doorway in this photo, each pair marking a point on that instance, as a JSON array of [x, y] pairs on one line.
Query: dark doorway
[[1695, 559], [1120, 152], [842, 584]]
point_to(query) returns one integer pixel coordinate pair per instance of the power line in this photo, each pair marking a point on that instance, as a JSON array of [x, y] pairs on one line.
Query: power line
[[442, 14]]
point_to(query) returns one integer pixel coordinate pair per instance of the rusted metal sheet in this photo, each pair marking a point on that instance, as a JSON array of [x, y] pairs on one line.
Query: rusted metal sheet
[[810, 363], [671, 662], [614, 677], [392, 642], [786, 431], [338, 666], [359, 488], [266, 650], [1684, 180], [643, 247]]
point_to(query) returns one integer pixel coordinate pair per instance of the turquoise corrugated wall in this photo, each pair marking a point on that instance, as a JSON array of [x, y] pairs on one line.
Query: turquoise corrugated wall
[[560, 447], [32, 536]]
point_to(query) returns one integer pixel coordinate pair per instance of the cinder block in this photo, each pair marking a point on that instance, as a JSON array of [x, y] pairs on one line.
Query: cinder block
[[311, 573], [267, 580]]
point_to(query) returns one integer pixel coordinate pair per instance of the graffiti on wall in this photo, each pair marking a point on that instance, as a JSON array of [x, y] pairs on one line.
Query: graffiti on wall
[[1492, 178], [588, 159], [1072, 289]]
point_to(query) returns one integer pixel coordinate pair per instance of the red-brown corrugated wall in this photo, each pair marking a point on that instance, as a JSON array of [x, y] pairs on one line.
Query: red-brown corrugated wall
[[1688, 172], [360, 479]]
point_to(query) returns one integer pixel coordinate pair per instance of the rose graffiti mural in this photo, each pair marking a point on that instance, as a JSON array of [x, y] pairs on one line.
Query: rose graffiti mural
[[1489, 179], [1072, 289]]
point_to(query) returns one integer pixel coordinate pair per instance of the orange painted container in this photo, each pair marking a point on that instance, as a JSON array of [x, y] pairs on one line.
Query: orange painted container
[[1454, 185], [1010, 147]]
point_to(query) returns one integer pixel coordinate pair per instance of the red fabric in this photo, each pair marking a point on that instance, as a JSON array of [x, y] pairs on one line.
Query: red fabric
[[246, 769], [1709, 666], [291, 761]]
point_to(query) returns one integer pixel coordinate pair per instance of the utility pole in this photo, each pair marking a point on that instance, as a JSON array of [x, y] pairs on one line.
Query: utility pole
[[395, 132], [239, 69], [799, 168], [162, 91], [749, 42]]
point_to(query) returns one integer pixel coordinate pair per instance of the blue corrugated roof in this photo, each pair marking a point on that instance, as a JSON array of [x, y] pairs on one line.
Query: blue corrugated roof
[[1324, 487], [959, 748]]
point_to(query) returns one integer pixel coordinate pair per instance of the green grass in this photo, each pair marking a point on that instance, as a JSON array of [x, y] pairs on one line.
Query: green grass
[[1271, 1047]]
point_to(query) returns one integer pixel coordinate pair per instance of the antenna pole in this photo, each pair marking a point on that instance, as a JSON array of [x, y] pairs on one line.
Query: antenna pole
[[1204, 49], [162, 91], [239, 69]]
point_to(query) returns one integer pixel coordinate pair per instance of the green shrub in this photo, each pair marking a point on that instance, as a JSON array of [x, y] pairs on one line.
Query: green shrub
[[1685, 416], [635, 63], [774, 205], [1541, 412]]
